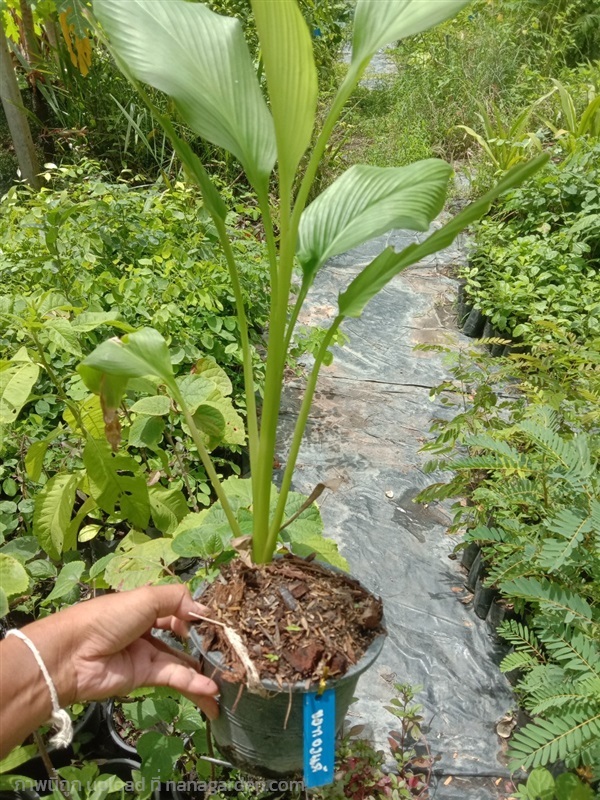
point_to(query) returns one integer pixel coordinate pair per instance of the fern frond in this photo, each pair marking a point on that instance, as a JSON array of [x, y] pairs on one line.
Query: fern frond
[[573, 694], [545, 741], [487, 442], [488, 462], [595, 517], [572, 528], [551, 597], [588, 756], [522, 638], [516, 660], [512, 567], [484, 534], [572, 455], [541, 677], [575, 651], [523, 491]]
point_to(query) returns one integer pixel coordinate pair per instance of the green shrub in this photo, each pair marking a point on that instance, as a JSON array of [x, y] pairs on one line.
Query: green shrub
[[536, 260], [526, 457], [79, 260], [147, 253]]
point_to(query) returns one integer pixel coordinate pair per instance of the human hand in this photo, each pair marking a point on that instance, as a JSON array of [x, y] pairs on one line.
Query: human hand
[[104, 647]]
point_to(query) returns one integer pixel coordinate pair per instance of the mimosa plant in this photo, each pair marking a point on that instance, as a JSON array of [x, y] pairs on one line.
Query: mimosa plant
[[201, 61]]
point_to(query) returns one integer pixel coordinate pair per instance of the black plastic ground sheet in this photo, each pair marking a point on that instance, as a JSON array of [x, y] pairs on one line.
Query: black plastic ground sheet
[[371, 415]]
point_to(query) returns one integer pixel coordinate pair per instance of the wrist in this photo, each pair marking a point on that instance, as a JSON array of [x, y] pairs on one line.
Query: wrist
[[53, 644]]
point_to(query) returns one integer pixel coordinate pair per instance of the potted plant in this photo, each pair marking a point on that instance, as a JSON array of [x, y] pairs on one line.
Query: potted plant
[[201, 61]]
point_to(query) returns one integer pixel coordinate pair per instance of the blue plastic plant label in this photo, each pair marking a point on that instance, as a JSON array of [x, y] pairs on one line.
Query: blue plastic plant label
[[319, 739]]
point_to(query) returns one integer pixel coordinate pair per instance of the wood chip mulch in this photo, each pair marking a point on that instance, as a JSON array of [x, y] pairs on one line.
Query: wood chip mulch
[[298, 620]]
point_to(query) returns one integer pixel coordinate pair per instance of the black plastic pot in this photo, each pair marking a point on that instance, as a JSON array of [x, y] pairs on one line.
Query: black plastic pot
[[498, 613], [474, 324], [85, 733], [476, 571], [463, 306], [469, 554], [264, 735], [116, 743], [482, 599]]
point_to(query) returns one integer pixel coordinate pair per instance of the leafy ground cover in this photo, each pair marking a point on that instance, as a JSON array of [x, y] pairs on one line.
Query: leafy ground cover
[[534, 266], [82, 258]]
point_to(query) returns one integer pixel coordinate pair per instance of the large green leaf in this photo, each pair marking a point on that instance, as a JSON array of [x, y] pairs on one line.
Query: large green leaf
[[16, 757], [17, 379], [115, 481], [291, 79], [195, 389], [209, 369], [67, 580], [34, 460], [136, 355], [160, 754], [90, 411], [169, 507], [141, 564], [379, 272], [378, 23], [157, 405], [13, 578], [52, 513], [61, 333], [90, 320], [146, 431], [366, 202], [201, 60]]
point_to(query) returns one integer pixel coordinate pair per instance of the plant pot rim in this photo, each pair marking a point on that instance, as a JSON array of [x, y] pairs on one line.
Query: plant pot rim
[[117, 739], [215, 659]]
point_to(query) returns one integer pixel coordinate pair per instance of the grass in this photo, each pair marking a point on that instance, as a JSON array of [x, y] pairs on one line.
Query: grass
[[492, 51]]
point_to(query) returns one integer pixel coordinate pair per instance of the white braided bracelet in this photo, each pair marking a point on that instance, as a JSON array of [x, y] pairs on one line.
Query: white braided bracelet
[[60, 719]]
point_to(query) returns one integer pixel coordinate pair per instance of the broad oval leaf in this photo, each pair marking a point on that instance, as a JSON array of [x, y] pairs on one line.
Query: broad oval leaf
[[146, 431], [136, 355], [204, 534], [377, 23], [13, 578], [366, 202], [291, 79], [34, 460], [90, 320], [52, 513], [201, 60], [158, 405], [209, 419], [16, 382], [169, 507], [67, 580], [195, 389], [61, 333], [142, 564]]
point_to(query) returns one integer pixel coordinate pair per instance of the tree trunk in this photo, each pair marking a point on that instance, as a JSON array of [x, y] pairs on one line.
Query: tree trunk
[[16, 116]]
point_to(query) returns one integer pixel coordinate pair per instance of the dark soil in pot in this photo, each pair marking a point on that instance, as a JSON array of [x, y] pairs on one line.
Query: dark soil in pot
[[122, 733], [305, 627]]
